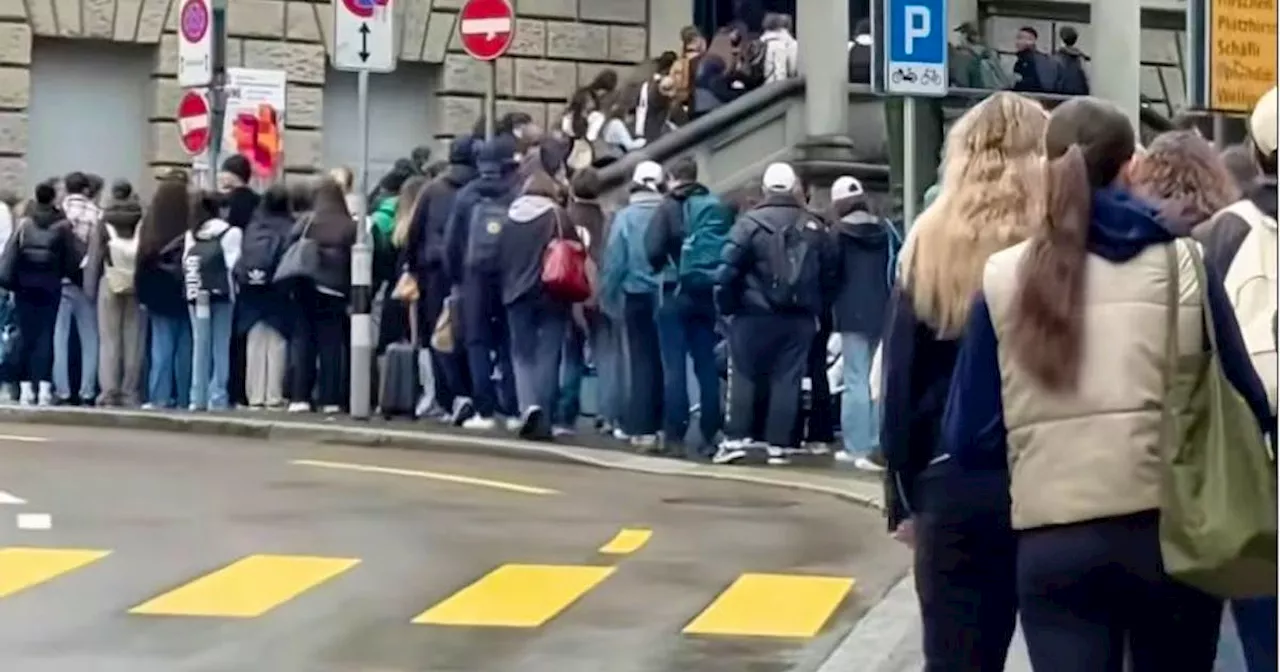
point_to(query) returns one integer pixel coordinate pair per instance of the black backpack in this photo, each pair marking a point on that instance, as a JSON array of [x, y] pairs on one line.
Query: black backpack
[[791, 260], [38, 248], [204, 268], [260, 254], [488, 216]]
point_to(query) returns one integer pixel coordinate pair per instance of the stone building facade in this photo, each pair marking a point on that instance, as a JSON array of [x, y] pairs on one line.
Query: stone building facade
[[558, 44]]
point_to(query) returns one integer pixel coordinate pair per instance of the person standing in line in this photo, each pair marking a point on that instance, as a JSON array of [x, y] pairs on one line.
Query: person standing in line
[[109, 280], [84, 215], [318, 342], [48, 254], [263, 308], [990, 196], [158, 284], [628, 279], [771, 286], [688, 233], [210, 252]]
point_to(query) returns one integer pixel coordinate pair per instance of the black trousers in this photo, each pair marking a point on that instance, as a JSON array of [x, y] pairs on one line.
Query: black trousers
[[1089, 590], [768, 356], [643, 401], [965, 561], [318, 349], [37, 312]]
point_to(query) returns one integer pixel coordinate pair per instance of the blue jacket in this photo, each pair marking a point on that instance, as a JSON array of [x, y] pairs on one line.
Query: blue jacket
[[497, 179], [973, 429], [424, 252], [626, 261]]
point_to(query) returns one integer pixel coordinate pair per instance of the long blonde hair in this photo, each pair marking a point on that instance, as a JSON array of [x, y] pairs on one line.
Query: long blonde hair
[[991, 197], [406, 206]]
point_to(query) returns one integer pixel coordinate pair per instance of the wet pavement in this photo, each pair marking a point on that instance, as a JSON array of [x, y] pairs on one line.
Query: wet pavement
[[186, 553]]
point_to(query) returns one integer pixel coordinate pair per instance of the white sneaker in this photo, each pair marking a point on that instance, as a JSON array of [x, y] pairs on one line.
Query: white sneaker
[[425, 405], [729, 452], [6, 394], [514, 424], [479, 423], [27, 394], [846, 457], [646, 443], [561, 430], [331, 409], [621, 435], [45, 397], [868, 465], [148, 406], [299, 407], [463, 410]]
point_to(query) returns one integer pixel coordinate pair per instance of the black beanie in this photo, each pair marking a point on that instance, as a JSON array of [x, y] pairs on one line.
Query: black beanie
[[239, 166]]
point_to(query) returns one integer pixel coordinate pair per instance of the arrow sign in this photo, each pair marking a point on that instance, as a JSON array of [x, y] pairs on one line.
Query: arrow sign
[[364, 35]]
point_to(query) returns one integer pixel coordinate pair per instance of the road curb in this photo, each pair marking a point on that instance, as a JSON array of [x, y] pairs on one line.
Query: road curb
[[273, 429]]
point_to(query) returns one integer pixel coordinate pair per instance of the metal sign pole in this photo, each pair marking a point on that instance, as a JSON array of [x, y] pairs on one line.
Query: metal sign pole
[[217, 92], [491, 101], [910, 190], [362, 272]]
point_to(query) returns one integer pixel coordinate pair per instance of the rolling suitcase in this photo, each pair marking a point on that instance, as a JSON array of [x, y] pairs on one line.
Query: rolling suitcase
[[398, 382]]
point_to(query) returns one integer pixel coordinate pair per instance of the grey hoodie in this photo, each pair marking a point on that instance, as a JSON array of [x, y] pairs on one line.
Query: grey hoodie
[[532, 222]]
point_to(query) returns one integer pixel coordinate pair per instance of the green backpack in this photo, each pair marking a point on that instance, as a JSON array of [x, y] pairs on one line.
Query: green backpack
[[1218, 509], [708, 221]]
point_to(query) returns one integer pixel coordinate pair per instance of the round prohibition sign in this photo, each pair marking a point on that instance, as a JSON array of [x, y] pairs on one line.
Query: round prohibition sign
[[194, 19]]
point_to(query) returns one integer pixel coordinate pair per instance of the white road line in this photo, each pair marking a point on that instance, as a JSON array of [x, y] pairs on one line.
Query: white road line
[[23, 439], [35, 521], [7, 498]]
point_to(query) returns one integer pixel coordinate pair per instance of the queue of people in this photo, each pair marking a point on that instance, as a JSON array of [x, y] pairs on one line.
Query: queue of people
[[1059, 310]]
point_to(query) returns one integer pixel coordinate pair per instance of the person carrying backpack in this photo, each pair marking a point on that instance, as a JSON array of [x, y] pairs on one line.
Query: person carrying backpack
[[688, 232], [1072, 79], [263, 310], [472, 260], [109, 280], [866, 249], [771, 288], [210, 251]]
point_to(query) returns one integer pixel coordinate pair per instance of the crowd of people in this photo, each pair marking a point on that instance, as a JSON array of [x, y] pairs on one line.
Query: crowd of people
[[1053, 303]]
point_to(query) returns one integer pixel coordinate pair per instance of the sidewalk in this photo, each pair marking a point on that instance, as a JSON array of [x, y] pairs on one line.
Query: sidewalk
[[584, 449]]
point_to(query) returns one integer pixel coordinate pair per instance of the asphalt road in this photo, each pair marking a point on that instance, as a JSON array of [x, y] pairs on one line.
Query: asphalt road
[[178, 553]]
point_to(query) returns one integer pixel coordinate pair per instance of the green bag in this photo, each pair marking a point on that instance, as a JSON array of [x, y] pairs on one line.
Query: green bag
[[1218, 509]]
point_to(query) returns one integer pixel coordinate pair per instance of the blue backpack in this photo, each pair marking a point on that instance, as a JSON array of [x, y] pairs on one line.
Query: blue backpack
[[488, 216], [895, 247], [707, 221]]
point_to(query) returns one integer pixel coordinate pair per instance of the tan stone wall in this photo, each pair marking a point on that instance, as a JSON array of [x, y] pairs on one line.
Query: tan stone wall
[[559, 44]]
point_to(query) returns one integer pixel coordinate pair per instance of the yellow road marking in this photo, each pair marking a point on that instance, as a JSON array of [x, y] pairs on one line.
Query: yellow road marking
[[628, 540], [772, 605], [21, 568], [248, 587], [430, 475], [23, 439], [516, 596]]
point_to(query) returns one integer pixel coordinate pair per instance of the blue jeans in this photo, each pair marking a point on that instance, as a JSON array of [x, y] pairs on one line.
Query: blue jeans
[[687, 330], [859, 418], [78, 306], [1251, 645], [606, 350], [169, 361], [538, 324], [573, 368], [214, 348]]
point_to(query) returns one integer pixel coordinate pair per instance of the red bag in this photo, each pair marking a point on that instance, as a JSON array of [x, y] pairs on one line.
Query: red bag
[[564, 267]]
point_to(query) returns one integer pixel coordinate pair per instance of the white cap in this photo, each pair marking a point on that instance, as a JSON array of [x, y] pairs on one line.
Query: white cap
[[845, 187], [779, 177], [1262, 123], [648, 174]]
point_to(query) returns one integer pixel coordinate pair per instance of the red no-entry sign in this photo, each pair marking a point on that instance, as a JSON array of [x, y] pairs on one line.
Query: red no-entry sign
[[193, 122], [486, 28]]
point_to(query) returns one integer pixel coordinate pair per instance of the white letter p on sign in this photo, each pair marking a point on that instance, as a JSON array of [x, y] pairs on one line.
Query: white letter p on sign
[[917, 26]]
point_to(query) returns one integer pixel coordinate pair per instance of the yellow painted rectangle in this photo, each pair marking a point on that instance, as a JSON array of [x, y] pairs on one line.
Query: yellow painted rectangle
[[516, 596], [772, 605], [21, 568], [628, 540], [248, 587]]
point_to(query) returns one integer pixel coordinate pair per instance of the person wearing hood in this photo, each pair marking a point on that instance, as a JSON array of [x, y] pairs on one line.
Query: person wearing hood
[[866, 252], [631, 288], [474, 260], [1235, 239], [109, 280], [771, 285], [424, 256], [210, 252], [687, 234], [47, 253], [1072, 79], [1059, 378], [781, 50], [538, 320], [263, 309]]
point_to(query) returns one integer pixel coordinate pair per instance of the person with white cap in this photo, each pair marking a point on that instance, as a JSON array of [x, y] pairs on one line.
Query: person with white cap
[[771, 288], [866, 251], [1240, 245], [630, 290]]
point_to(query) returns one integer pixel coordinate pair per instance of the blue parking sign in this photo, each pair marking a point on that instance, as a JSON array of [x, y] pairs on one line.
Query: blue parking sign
[[917, 55]]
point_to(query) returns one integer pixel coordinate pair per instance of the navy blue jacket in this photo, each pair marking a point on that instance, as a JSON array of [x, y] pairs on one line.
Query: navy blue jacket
[[497, 179], [1122, 227], [863, 274]]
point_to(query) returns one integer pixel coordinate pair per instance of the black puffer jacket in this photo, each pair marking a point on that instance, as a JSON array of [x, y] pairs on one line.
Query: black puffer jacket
[[46, 253], [747, 277]]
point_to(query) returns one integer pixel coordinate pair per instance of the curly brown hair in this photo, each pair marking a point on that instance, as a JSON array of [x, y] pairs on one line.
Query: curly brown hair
[[1183, 176]]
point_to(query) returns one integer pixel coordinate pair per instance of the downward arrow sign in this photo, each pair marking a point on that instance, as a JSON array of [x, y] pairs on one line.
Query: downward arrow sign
[[364, 42]]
